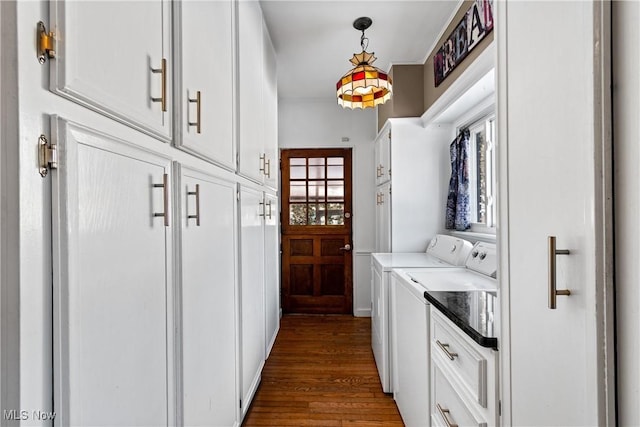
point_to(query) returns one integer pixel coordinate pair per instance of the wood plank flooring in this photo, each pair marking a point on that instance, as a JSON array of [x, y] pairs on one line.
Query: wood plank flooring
[[321, 372]]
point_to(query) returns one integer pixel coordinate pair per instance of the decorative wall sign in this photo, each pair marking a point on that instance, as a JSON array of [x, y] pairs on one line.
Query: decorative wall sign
[[474, 26]]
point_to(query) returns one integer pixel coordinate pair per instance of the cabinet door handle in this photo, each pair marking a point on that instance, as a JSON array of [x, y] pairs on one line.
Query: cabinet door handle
[[267, 164], [197, 101], [263, 163], [197, 194], [269, 204], [445, 348], [553, 292], [163, 72], [165, 195], [264, 209], [444, 413]]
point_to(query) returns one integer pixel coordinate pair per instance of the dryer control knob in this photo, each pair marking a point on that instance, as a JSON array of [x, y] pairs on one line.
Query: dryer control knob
[[474, 254], [483, 255]]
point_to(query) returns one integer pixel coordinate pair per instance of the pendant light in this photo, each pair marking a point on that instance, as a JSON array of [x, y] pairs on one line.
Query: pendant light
[[365, 86]]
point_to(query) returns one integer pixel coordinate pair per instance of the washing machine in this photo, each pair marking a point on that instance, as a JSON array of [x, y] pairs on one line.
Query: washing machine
[[411, 323], [443, 251]]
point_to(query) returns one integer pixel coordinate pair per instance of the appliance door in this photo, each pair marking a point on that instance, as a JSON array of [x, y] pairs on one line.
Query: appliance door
[[410, 351]]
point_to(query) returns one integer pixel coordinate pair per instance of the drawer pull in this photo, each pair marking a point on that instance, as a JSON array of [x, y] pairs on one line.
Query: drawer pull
[[444, 413], [445, 348]]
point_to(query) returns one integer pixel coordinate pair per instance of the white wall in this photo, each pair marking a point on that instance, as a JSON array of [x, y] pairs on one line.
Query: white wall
[[626, 93], [321, 123]]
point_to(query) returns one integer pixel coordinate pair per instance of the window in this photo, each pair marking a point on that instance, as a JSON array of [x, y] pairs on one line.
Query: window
[[482, 179]]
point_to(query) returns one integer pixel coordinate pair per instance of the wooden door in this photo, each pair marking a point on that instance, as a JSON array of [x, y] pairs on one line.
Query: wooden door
[[208, 299], [113, 331], [106, 60], [316, 231], [553, 139], [208, 134]]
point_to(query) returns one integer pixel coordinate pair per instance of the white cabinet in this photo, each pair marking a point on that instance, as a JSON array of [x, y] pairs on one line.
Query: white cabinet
[[252, 298], [464, 377], [113, 333], [257, 96], [204, 35], [107, 61], [271, 271], [412, 184], [208, 298]]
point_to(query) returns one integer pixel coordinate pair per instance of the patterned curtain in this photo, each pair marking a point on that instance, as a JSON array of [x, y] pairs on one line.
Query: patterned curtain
[[458, 209]]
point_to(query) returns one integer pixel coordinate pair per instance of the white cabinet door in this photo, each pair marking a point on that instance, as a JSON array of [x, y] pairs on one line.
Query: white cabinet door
[[383, 218], [383, 156], [252, 316], [250, 90], [270, 111], [205, 35], [113, 362], [208, 306], [271, 271], [550, 130], [93, 68]]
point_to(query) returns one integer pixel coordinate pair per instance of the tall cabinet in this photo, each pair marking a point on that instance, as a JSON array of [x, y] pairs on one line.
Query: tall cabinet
[[411, 184], [149, 288]]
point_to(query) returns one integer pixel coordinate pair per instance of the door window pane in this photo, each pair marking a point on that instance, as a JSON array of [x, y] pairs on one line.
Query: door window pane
[[335, 191], [316, 168], [335, 214], [298, 214], [298, 168], [317, 214], [335, 168], [316, 191], [297, 191]]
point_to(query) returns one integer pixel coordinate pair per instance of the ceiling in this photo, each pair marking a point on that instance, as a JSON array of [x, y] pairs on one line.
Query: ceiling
[[314, 39]]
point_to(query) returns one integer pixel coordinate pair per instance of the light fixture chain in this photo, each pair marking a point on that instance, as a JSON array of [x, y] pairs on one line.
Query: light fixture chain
[[364, 42]]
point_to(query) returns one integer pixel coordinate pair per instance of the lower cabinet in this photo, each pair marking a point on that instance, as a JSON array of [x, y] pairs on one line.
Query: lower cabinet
[[271, 270], [207, 218], [112, 281], [464, 385], [252, 307]]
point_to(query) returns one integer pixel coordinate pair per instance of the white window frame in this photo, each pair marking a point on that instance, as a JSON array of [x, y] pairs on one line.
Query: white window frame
[[483, 112]]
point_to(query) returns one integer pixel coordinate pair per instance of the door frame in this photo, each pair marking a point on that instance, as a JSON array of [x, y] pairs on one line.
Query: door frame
[[321, 229], [603, 214]]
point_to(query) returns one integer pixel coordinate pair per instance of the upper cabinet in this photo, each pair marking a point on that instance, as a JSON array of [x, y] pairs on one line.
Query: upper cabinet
[[383, 156], [92, 67], [204, 70], [257, 96]]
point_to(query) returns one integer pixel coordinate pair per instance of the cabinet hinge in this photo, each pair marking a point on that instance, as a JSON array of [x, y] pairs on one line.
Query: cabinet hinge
[[47, 156], [499, 408], [46, 43], [237, 160], [240, 403], [238, 195]]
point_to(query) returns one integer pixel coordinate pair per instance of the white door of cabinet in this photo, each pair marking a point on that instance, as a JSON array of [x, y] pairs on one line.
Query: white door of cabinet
[[93, 68], [205, 35], [113, 348], [208, 305], [271, 271], [553, 139], [270, 111], [250, 90], [252, 316], [383, 157], [383, 218]]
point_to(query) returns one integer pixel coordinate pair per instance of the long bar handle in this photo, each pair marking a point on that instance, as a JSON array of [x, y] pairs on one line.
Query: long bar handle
[[264, 209], [269, 204], [553, 291], [445, 348], [163, 72], [165, 195], [267, 164], [197, 194], [197, 101], [444, 413]]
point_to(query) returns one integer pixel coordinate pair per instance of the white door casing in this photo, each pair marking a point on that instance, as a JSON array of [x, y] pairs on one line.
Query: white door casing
[[553, 181]]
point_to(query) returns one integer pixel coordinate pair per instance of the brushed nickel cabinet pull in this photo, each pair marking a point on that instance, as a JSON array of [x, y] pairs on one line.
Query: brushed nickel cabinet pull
[[163, 73], [197, 194], [444, 413], [553, 292], [263, 163], [197, 101], [165, 195], [269, 204], [267, 164], [445, 348], [264, 210]]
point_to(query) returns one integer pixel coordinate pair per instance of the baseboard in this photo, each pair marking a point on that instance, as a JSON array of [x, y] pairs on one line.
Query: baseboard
[[362, 313]]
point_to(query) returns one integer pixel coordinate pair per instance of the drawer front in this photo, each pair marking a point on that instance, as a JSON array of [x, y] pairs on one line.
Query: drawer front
[[447, 407], [468, 364]]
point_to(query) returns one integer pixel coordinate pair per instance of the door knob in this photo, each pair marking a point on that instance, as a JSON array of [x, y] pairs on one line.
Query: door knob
[[346, 248]]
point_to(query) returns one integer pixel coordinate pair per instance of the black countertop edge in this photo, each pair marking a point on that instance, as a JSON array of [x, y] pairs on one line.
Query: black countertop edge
[[489, 342]]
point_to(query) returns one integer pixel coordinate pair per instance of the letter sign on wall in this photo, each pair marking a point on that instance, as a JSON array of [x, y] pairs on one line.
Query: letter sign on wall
[[474, 26]]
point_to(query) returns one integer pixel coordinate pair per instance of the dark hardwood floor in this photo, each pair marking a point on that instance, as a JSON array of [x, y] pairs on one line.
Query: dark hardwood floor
[[321, 372]]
